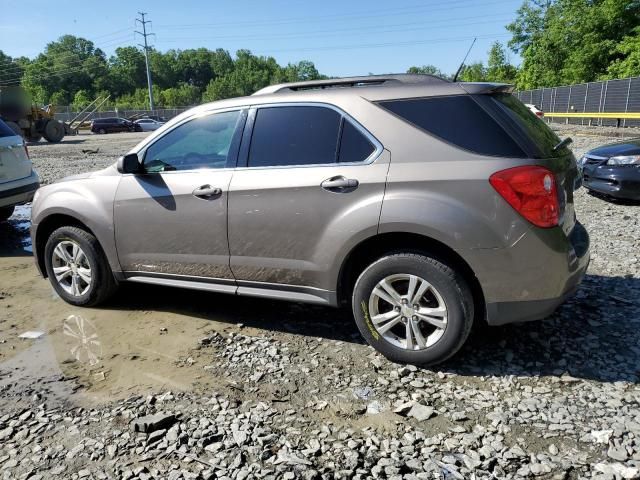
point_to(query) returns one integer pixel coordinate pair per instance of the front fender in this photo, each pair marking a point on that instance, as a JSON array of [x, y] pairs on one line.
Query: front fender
[[89, 201]]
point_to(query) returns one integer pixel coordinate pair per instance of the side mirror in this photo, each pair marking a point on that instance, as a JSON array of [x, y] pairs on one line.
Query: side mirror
[[129, 164]]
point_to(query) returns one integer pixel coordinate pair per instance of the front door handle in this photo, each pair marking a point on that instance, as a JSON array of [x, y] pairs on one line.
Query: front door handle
[[207, 191], [340, 184]]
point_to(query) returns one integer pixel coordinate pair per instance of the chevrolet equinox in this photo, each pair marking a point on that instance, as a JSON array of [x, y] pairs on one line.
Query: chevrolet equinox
[[423, 204]]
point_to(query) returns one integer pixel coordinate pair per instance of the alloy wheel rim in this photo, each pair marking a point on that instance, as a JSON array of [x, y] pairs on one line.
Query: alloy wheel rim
[[71, 268], [408, 311]]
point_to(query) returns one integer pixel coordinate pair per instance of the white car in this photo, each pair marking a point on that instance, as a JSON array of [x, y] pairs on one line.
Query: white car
[[18, 180], [148, 124], [535, 110]]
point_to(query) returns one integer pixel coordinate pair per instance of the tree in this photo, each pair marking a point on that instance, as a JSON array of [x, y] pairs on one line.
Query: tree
[[428, 70], [628, 64], [572, 41], [474, 72], [498, 67]]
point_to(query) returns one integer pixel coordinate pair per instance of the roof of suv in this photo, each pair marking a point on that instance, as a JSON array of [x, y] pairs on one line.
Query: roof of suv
[[373, 88]]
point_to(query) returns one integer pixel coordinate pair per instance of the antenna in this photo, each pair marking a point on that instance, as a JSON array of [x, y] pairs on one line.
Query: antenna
[[455, 77]]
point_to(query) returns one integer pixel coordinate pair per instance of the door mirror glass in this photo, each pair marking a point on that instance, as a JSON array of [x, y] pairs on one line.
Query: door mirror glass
[[129, 164]]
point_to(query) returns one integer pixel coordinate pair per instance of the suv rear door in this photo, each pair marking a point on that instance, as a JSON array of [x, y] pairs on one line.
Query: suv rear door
[[14, 161], [310, 182]]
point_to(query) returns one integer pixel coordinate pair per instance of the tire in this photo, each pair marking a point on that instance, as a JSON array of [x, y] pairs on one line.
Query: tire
[[102, 285], [447, 287], [15, 127], [54, 131], [102, 131], [5, 213]]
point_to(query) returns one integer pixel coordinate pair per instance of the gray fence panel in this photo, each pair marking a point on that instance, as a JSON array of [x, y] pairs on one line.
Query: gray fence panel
[[619, 95]]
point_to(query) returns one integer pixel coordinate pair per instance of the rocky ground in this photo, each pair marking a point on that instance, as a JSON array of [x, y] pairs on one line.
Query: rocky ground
[[166, 384]]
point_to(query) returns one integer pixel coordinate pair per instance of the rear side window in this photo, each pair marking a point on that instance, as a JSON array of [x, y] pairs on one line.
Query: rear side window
[[354, 145], [5, 131], [294, 136], [458, 120]]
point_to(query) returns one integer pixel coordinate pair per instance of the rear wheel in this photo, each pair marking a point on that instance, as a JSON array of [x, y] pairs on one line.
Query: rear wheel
[[102, 131], [5, 213], [413, 308], [54, 131], [77, 267]]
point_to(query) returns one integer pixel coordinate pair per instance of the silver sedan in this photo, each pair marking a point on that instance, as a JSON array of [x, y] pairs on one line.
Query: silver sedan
[[148, 124]]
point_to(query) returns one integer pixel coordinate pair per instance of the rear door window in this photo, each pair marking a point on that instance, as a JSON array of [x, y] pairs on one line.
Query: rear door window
[[458, 120], [354, 145], [295, 135]]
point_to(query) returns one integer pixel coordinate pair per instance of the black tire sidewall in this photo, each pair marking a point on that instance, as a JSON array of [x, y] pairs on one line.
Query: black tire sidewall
[[96, 261], [6, 213], [451, 287]]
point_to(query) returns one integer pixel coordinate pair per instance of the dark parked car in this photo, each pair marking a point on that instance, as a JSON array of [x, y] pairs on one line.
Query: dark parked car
[[113, 124], [613, 170]]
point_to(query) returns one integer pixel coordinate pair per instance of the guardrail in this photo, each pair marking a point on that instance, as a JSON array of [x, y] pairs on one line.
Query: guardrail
[[618, 116]]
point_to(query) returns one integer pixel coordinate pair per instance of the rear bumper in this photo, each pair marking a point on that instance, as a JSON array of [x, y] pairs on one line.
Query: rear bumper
[[617, 182], [19, 191], [529, 280]]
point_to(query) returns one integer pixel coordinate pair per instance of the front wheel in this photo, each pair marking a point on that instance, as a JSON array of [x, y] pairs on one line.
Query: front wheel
[[77, 267], [413, 308]]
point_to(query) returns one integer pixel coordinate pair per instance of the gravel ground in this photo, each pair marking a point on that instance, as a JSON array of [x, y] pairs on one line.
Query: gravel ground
[[292, 392]]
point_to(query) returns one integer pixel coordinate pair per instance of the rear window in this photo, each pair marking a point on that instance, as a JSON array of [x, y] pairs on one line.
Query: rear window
[[537, 132], [5, 131], [458, 120], [354, 146]]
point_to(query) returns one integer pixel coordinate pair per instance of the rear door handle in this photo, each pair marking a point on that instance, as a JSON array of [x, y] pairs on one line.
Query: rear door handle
[[207, 191], [340, 184]]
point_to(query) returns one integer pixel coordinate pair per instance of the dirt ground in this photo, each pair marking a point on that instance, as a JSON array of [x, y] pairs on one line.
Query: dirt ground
[[148, 337]]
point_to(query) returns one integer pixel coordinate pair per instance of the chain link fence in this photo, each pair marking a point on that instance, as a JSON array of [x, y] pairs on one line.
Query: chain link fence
[[614, 96], [65, 114]]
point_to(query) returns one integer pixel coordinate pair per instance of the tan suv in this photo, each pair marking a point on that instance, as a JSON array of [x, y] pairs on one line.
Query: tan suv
[[425, 205]]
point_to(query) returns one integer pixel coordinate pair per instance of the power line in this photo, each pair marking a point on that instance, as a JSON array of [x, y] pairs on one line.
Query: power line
[[386, 12], [144, 34], [355, 31]]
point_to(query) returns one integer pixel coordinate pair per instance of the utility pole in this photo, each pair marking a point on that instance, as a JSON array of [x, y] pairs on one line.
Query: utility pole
[[144, 34]]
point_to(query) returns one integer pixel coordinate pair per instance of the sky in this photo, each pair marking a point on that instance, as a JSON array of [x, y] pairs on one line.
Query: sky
[[342, 37]]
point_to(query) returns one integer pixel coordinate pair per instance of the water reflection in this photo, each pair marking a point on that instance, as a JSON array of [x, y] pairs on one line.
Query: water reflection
[[14, 234], [82, 338]]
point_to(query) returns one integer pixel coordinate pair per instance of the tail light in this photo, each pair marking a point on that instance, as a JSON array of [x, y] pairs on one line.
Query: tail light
[[540, 114], [531, 190]]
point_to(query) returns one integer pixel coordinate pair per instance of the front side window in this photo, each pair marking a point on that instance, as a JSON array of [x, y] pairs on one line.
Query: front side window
[[203, 142]]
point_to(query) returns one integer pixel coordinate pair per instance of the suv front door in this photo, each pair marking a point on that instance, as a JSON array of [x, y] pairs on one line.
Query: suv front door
[[171, 221], [310, 181]]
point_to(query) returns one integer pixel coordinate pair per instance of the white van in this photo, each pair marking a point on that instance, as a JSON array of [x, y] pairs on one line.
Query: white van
[[18, 180]]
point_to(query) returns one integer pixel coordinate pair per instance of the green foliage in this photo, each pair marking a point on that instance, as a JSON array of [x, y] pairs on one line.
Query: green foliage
[[574, 41], [427, 70], [498, 67], [474, 72], [71, 71]]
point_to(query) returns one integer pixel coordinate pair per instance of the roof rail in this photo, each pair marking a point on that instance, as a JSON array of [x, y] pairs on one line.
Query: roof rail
[[395, 79]]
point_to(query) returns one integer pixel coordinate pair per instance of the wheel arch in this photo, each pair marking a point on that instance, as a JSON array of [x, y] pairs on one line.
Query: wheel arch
[[375, 247], [46, 227]]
